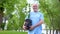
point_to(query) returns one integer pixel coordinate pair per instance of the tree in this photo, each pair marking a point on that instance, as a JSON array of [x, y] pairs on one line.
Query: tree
[[51, 9], [8, 6]]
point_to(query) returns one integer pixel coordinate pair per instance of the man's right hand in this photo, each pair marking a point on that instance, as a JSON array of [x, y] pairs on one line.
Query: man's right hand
[[24, 27]]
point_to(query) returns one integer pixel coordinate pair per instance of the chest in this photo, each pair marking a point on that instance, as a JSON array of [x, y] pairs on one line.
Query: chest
[[34, 15]]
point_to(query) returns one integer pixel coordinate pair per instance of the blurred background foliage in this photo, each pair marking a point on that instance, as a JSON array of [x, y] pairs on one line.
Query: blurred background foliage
[[51, 10], [11, 10]]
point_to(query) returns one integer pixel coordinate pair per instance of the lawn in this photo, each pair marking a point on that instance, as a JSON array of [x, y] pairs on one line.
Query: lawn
[[12, 32]]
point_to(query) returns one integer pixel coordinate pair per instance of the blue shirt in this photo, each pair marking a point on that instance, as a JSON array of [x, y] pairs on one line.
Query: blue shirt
[[36, 17]]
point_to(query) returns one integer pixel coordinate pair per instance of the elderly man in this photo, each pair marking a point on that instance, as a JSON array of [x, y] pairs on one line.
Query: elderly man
[[37, 20]]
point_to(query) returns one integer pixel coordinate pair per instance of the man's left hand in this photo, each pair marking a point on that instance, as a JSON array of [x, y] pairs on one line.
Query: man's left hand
[[31, 27]]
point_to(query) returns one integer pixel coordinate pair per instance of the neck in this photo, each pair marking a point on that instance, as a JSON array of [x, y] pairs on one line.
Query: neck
[[35, 10]]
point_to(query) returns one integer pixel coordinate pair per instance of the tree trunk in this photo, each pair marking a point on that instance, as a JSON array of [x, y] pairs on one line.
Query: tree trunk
[[1, 20], [46, 30], [50, 31], [59, 31], [56, 31], [1, 16], [53, 31]]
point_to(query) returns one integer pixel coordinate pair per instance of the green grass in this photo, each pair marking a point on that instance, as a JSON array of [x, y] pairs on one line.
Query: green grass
[[12, 32]]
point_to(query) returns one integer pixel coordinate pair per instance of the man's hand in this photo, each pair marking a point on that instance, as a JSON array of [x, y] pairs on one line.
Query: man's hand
[[24, 27], [31, 27]]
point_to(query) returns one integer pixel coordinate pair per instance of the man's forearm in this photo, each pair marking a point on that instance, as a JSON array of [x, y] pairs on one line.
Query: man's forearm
[[38, 24]]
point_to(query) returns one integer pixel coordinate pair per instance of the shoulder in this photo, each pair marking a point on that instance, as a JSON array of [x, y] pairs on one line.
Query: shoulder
[[31, 12], [40, 13]]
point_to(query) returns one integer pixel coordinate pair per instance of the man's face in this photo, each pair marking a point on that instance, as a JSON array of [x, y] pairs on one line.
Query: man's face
[[35, 8]]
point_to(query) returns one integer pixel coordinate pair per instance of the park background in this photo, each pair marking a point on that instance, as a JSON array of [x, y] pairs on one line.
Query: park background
[[13, 13]]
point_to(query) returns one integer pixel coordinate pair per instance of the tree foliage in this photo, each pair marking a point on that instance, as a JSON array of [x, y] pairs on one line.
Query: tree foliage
[[51, 9], [10, 6]]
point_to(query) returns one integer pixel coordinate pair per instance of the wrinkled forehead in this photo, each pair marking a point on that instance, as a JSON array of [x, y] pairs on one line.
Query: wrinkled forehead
[[35, 5]]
